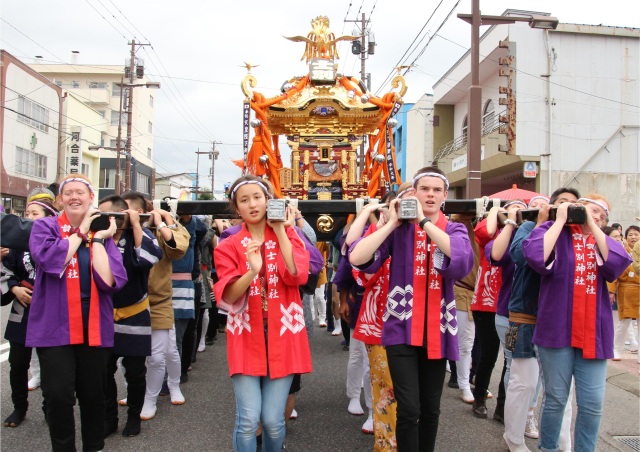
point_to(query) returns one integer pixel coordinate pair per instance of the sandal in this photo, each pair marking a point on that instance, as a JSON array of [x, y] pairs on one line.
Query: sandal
[[14, 419]]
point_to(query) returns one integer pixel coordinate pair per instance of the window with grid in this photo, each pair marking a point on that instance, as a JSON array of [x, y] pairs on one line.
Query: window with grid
[[108, 177], [116, 89], [142, 183], [33, 114], [31, 163], [114, 118]]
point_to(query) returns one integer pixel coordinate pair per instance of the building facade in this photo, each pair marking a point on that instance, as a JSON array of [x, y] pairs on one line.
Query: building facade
[[179, 186], [100, 88], [31, 135], [563, 102]]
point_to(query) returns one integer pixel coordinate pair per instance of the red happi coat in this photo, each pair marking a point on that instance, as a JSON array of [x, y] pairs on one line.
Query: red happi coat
[[489, 279], [288, 346], [369, 325]]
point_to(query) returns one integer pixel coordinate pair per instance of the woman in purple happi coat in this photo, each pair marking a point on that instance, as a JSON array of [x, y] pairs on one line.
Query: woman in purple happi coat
[[574, 329]]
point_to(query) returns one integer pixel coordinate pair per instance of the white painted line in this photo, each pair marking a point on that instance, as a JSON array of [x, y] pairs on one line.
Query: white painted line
[[5, 345]]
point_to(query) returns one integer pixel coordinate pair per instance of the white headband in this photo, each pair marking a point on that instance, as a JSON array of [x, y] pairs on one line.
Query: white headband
[[404, 192], [511, 203], [431, 174], [597, 203], [537, 197], [76, 179], [245, 182], [44, 206]]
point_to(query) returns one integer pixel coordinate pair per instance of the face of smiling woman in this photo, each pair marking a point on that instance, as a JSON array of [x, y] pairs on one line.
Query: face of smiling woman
[[76, 199]]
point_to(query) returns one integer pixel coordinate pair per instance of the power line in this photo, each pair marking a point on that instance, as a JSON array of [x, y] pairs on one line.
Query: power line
[[400, 61], [545, 79], [105, 19], [432, 36]]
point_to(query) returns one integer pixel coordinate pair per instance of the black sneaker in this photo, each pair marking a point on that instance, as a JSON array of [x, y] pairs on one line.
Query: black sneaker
[[453, 383], [132, 428]]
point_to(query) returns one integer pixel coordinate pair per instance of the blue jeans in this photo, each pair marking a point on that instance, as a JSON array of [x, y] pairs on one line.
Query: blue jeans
[[502, 323], [558, 365], [260, 399]]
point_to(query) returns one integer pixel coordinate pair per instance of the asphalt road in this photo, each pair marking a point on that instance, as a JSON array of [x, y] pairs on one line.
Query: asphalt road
[[205, 421]]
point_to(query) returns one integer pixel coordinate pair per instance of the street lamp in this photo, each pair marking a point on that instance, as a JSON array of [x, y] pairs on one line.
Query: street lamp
[[474, 163]]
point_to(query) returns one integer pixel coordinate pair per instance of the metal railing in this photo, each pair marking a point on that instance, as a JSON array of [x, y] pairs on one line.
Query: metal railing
[[461, 141]]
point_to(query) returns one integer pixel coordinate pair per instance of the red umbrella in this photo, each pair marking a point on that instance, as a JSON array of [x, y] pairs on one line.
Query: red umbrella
[[515, 193]]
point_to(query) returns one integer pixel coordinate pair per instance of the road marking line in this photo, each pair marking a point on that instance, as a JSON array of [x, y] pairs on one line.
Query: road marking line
[[5, 346]]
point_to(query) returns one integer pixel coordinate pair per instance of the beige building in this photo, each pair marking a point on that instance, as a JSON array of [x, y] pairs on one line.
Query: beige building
[[99, 87]]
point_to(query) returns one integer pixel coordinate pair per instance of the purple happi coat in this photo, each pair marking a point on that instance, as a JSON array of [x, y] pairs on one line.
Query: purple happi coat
[[398, 318], [49, 314], [555, 303]]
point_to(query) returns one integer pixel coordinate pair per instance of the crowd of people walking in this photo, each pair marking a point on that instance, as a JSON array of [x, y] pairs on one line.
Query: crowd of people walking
[[94, 291]]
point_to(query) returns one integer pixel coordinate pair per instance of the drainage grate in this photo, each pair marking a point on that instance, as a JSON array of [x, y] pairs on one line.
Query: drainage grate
[[631, 441]]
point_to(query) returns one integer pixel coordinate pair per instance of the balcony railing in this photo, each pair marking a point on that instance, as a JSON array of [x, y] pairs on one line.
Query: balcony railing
[[461, 141]]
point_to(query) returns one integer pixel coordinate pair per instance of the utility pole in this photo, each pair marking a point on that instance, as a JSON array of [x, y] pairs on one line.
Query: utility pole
[[214, 156], [197, 172], [119, 140], [364, 49], [132, 74]]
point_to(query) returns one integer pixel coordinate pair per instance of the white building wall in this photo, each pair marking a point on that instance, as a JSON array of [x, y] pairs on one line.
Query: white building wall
[[420, 135], [93, 125], [77, 79], [19, 134]]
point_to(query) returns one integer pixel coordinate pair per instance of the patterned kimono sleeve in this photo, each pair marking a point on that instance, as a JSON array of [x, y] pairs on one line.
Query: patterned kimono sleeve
[[149, 252]]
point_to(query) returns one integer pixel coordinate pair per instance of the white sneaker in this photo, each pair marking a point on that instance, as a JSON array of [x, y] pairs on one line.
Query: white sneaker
[[148, 410], [34, 384], [176, 396], [122, 402], [531, 428], [294, 414], [616, 355], [201, 348], [336, 331], [467, 396], [513, 447], [367, 427], [355, 408]]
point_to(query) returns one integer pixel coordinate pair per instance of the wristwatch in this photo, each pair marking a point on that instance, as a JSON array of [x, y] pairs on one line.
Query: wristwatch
[[161, 225], [423, 222], [512, 223], [173, 226], [97, 240]]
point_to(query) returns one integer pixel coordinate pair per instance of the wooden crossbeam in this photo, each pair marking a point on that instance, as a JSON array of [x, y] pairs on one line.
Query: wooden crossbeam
[[222, 209], [312, 210]]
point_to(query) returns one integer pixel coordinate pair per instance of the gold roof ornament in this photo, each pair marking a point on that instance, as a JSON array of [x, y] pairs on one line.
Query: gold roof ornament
[[321, 42], [325, 116]]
